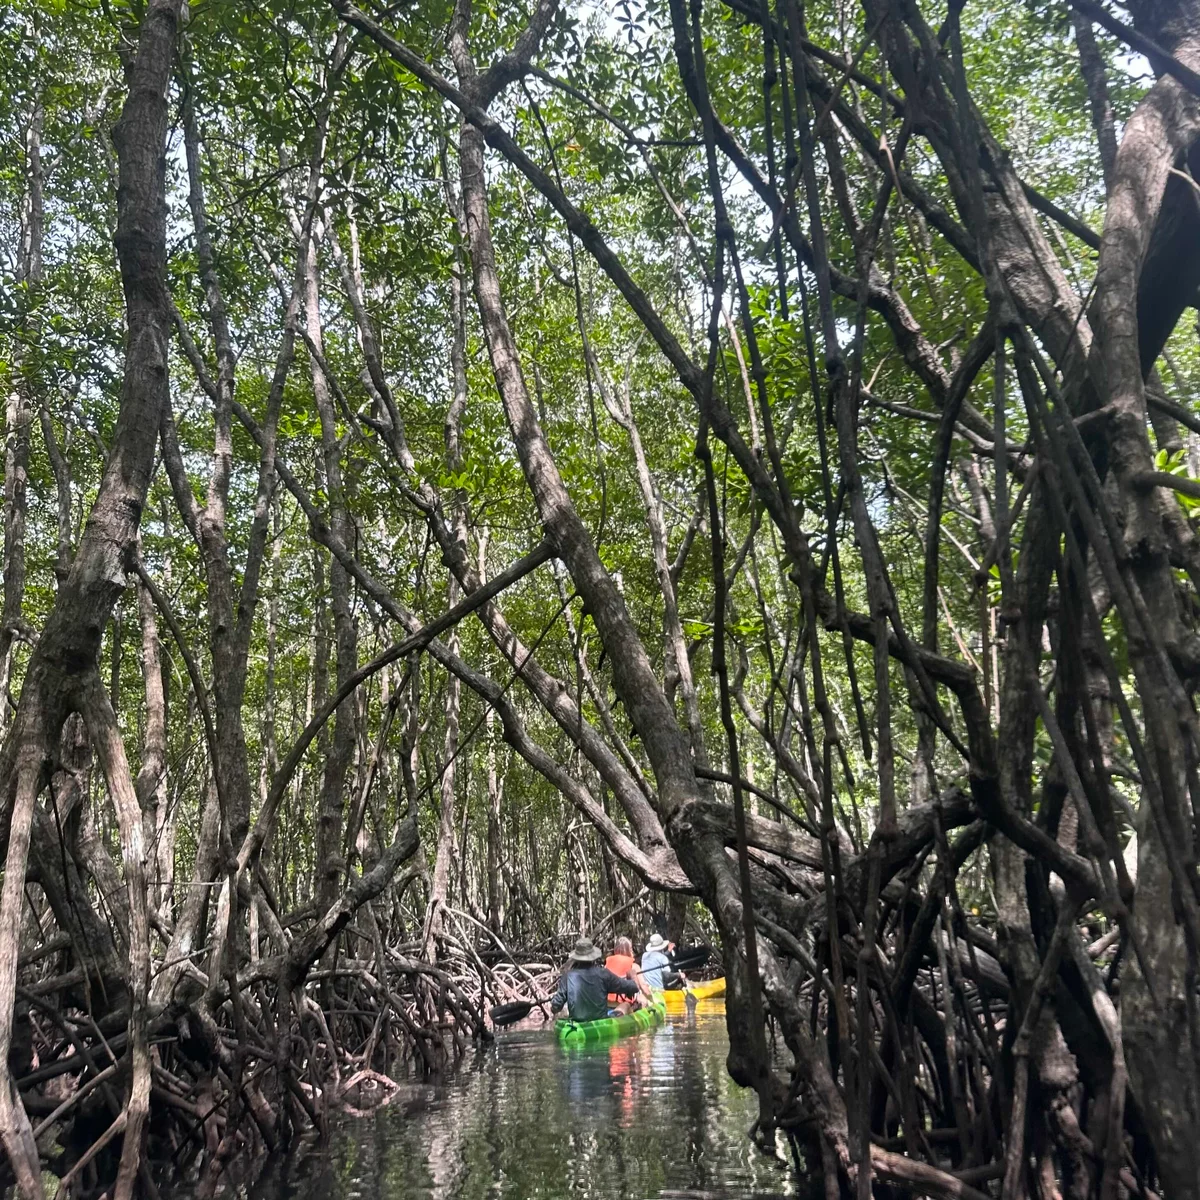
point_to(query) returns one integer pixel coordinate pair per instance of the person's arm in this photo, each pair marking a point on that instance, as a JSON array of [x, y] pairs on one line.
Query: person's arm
[[671, 960], [560, 997], [635, 973]]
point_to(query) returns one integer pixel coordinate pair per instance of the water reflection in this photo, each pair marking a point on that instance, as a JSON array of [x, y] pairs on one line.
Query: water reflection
[[654, 1115]]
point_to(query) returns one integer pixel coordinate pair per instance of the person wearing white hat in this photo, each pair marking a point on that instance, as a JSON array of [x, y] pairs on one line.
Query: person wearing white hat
[[585, 985], [656, 963]]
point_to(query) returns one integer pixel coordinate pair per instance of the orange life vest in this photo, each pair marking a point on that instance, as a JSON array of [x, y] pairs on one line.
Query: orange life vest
[[621, 965]]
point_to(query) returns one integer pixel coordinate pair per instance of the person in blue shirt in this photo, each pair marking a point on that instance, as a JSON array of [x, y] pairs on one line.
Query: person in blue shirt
[[585, 985], [656, 964]]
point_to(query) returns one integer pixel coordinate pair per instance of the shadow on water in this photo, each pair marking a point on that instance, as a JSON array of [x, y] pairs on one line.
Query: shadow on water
[[654, 1115]]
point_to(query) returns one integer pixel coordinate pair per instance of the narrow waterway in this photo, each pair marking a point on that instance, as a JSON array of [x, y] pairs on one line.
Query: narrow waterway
[[654, 1115]]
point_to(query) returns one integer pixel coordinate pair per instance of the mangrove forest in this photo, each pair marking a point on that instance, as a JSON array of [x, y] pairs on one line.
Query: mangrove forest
[[489, 486]]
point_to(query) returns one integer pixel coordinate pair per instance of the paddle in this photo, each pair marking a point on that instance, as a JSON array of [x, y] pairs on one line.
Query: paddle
[[689, 960], [508, 1014]]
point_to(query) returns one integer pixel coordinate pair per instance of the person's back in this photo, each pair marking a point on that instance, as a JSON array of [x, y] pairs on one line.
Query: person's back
[[655, 963], [620, 963], [585, 985]]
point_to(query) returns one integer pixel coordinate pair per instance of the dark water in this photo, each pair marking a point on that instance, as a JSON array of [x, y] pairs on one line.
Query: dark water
[[654, 1115]]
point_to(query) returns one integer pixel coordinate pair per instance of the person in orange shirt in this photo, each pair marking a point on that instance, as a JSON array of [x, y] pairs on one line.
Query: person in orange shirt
[[621, 963]]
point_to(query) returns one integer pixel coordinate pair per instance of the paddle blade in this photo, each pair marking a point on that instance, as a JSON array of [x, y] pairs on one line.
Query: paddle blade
[[507, 1014]]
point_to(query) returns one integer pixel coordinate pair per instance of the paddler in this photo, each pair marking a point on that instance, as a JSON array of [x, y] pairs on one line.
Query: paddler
[[657, 970], [622, 964], [586, 983]]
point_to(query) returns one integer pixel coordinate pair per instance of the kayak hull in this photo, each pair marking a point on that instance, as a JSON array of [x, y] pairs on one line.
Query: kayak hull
[[578, 1033], [711, 989]]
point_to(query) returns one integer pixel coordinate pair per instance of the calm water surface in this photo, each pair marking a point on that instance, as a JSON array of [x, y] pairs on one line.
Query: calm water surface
[[654, 1115]]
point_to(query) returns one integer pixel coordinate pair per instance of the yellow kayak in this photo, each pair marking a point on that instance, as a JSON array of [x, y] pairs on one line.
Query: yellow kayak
[[676, 1001]]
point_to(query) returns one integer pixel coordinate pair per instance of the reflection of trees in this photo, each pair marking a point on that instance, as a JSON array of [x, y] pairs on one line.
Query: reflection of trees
[[494, 1089], [444, 1157], [631, 1118]]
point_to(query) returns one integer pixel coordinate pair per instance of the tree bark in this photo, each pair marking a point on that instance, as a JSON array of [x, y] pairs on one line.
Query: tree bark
[[330, 820], [64, 662], [19, 410], [1158, 1033], [439, 887]]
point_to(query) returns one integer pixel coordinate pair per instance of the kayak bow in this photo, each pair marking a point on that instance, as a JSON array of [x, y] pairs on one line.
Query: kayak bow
[[574, 1033]]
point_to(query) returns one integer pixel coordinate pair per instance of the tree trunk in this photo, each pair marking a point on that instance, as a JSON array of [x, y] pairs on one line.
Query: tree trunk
[[330, 821], [19, 410], [151, 780], [64, 662], [444, 853]]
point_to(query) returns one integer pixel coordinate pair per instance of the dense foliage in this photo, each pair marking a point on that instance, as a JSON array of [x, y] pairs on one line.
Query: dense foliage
[[785, 416]]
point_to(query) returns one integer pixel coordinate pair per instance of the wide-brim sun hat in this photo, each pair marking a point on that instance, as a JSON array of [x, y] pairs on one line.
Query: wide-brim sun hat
[[585, 951], [657, 942]]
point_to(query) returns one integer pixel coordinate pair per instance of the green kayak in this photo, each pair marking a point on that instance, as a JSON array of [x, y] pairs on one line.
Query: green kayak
[[575, 1033]]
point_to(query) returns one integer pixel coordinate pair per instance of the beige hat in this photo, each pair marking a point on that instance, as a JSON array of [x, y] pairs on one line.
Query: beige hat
[[585, 951], [657, 942]]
